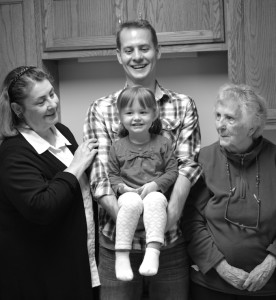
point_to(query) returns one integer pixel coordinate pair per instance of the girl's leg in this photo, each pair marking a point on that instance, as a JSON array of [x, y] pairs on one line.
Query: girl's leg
[[155, 219], [130, 209]]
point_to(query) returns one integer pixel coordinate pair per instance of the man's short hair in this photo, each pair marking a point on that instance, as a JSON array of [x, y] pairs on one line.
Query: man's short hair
[[139, 24]]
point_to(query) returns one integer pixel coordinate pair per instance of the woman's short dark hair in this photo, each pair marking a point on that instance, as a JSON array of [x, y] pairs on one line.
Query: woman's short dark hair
[[139, 24], [146, 99], [15, 89]]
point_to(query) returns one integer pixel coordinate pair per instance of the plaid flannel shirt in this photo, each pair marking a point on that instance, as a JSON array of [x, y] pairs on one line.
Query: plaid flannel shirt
[[180, 125]]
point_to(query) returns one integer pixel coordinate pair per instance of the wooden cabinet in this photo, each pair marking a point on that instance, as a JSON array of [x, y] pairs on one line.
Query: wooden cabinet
[[85, 24], [40, 32], [252, 48], [18, 38]]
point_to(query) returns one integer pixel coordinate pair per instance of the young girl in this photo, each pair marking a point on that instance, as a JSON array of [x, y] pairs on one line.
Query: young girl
[[142, 167]]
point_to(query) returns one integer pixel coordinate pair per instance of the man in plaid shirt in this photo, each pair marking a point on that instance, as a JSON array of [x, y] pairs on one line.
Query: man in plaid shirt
[[138, 53]]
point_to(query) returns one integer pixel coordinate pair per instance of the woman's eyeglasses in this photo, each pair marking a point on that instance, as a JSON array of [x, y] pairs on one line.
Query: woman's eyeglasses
[[255, 225]]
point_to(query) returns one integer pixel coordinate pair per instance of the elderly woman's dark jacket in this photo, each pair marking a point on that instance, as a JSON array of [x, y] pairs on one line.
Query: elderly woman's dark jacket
[[211, 237], [43, 240]]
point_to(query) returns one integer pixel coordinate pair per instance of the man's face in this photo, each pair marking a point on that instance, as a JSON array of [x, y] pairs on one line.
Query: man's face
[[138, 56]]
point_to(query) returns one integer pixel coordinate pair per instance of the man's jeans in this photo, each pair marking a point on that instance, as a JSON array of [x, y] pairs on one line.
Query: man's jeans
[[170, 283]]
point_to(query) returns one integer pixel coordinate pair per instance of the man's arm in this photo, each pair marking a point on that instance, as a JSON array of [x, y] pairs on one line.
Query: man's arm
[[110, 204], [187, 149], [177, 200], [95, 127]]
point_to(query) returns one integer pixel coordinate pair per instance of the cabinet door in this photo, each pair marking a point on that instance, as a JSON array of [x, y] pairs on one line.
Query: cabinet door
[[17, 31], [182, 21], [252, 48], [81, 24]]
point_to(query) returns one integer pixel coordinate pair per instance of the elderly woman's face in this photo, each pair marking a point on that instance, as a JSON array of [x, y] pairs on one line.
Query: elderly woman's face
[[40, 108], [233, 125]]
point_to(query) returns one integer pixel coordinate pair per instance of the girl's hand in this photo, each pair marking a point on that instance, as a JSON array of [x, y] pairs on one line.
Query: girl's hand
[[147, 188], [123, 188]]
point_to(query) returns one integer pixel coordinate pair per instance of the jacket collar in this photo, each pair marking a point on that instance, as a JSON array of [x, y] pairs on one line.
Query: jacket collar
[[247, 157]]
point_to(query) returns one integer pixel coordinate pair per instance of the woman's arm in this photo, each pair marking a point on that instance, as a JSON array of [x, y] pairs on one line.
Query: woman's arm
[[201, 245], [35, 184]]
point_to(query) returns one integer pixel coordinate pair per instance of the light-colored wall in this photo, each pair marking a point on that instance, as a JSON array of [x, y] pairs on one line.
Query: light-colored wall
[[199, 77]]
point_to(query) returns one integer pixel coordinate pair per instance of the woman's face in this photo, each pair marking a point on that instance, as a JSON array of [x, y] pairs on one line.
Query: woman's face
[[40, 108], [234, 126]]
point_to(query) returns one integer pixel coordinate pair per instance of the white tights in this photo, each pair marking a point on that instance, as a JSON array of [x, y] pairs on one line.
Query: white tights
[[131, 206]]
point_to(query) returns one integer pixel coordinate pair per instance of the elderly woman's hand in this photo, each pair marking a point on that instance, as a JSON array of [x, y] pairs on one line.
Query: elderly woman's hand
[[234, 276], [260, 275]]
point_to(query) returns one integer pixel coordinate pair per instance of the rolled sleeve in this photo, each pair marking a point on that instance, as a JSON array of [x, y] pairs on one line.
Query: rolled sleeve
[[188, 144]]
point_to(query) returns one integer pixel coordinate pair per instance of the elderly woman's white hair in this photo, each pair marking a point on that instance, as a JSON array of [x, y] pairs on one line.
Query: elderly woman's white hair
[[250, 101]]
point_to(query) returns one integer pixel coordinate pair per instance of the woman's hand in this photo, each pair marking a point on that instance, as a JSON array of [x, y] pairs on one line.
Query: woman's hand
[[83, 157], [147, 188], [260, 275], [234, 276]]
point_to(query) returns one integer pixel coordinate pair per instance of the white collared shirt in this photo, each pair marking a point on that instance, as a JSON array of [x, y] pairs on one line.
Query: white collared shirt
[[62, 152]]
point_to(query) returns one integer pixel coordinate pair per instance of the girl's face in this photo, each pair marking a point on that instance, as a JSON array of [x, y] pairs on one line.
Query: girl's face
[[137, 120]]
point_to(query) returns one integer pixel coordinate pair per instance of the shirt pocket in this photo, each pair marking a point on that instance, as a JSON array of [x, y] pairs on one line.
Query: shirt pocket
[[171, 129]]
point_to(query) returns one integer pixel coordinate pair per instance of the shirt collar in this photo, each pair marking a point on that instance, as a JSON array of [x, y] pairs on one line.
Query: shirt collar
[[41, 145]]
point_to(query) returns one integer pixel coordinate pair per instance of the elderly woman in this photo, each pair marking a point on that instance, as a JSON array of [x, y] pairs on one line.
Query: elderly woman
[[230, 217], [47, 232]]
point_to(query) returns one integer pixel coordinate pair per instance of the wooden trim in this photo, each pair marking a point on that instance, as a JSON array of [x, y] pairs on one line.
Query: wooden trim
[[8, 2], [107, 53], [29, 32], [235, 40], [271, 119], [108, 42]]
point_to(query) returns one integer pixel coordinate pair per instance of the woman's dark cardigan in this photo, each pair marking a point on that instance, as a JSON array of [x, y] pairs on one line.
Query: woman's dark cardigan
[[43, 235]]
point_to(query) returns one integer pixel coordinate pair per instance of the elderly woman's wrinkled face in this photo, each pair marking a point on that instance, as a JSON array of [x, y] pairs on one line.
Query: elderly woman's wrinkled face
[[233, 125]]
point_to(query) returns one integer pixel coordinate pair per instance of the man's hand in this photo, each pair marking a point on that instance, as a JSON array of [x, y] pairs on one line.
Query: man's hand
[[234, 276], [260, 275]]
